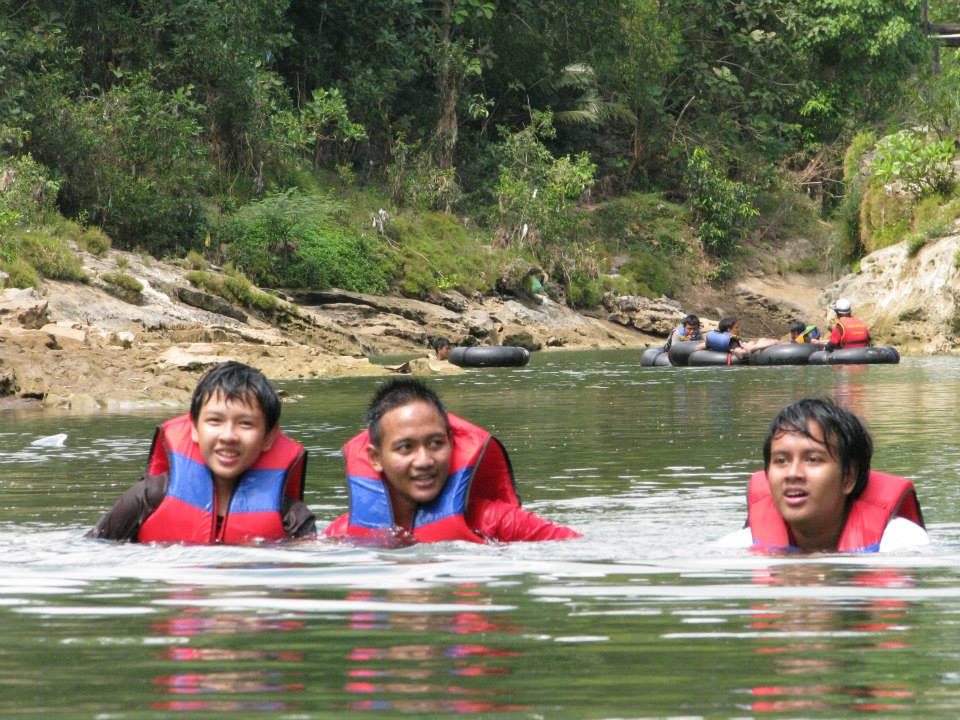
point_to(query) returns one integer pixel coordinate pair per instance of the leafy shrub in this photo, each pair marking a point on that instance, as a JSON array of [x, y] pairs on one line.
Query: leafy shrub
[[653, 273], [921, 166], [50, 256], [95, 241], [235, 287], [723, 207], [915, 244], [132, 159], [124, 281], [124, 286], [416, 181], [21, 274], [300, 241], [584, 292], [435, 252], [196, 261], [27, 194], [861, 144]]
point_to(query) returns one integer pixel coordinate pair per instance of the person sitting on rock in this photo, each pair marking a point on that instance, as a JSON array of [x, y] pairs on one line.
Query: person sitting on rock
[[419, 473], [688, 329], [849, 332], [818, 493], [800, 332], [726, 339], [224, 473]]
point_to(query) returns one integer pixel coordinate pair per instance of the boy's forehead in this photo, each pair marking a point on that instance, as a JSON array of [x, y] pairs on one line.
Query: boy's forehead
[[218, 396]]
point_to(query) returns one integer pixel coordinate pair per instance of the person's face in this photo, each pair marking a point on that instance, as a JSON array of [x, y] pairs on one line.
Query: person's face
[[808, 487], [690, 329], [443, 352], [735, 329], [414, 453], [231, 434]]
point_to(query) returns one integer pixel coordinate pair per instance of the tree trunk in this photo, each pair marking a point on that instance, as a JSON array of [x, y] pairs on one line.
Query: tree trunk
[[448, 84]]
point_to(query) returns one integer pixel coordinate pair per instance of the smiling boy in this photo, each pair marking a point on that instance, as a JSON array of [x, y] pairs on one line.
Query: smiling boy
[[222, 474], [420, 473], [818, 493]]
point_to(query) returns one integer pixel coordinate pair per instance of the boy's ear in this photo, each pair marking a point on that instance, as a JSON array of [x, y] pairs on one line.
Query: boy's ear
[[194, 435], [373, 456], [270, 437]]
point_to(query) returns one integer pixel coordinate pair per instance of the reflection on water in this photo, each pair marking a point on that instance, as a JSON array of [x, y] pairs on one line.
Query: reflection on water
[[641, 618]]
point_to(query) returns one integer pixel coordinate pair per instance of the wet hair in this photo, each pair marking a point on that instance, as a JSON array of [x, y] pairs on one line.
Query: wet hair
[[239, 383], [797, 326], [691, 320], [439, 342], [845, 437], [726, 323], [395, 394]]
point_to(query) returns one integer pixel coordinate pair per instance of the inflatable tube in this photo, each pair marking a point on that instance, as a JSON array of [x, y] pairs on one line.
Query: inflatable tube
[[786, 353], [680, 351], [649, 356], [487, 356], [662, 360], [704, 358], [876, 354]]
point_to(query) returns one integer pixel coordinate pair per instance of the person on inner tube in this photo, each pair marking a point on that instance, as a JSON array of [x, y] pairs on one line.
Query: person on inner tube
[[726, 338], [818, 493], [688, 329], [850, 331], [800, 332]]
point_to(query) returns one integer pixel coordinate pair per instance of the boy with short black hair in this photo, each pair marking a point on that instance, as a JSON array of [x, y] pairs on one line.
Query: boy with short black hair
[[222, 474], [817, 491], [418, 472]]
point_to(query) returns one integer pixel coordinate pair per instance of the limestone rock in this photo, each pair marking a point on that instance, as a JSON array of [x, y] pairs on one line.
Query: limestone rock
[[211, 303]]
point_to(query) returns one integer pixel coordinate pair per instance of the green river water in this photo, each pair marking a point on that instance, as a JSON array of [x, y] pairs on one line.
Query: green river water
[[642, 618]]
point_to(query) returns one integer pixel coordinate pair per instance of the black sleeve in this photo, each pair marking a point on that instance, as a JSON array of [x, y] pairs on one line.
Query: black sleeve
[[134, 506], [298, 519]]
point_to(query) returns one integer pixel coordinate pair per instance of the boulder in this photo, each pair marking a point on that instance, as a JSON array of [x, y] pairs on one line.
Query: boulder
[[210, 303]]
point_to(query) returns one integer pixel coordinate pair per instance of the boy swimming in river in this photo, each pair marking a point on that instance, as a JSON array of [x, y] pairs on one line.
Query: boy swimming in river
[[222, 474], [818, 493]]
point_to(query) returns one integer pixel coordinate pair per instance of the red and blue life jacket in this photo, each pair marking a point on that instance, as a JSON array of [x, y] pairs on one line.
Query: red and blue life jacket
[[479, 470], [884, 498], [188, 512]]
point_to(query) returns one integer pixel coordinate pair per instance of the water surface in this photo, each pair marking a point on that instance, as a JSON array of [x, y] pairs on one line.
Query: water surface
[[642, 618]]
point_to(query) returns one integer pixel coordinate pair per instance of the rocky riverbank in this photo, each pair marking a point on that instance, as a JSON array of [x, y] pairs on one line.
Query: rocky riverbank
[[95, 345]]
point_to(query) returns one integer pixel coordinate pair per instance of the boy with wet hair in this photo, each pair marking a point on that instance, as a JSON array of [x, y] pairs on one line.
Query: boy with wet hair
[[818, 493], [726, 338], [222, 474], [420, 473]]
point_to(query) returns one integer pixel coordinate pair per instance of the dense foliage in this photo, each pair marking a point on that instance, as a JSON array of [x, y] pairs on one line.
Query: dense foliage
[[184, 124]]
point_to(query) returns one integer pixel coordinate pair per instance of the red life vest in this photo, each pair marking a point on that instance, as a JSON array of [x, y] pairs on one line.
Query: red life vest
[[884, 498], [479, 470], [853, 332], [187, 512]]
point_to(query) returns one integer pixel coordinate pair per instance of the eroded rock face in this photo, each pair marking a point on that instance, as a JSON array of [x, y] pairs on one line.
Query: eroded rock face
[[654, 317], [910, 303]]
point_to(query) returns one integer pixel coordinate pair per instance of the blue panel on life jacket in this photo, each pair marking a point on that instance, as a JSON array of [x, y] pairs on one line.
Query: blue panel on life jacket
[[259, 491], [369, 503], [190, 482], [451, 501]]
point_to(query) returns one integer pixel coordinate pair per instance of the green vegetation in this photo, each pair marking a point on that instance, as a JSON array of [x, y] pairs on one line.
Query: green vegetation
[[124, 286], [235, 287], [495, 137], [293, 240]]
